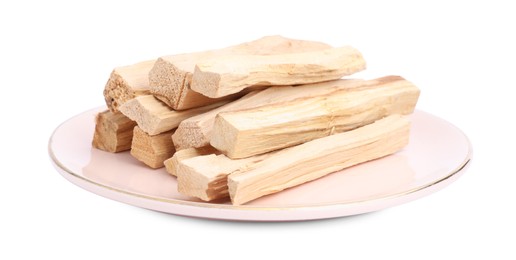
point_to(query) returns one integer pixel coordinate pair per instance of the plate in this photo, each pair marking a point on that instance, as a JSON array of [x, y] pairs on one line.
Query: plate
[[438, 153]]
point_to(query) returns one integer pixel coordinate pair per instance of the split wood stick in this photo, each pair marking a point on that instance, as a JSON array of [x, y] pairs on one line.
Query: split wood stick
[[196, 131], [205, 176], [317, 158], [232, 73], [172, 163], [244, 133], [171, 76], [126, 83], [113, 132], [154, 117], [152, 150]]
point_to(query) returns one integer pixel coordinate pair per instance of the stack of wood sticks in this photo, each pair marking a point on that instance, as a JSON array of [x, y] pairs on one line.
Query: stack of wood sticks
[[255, 118]]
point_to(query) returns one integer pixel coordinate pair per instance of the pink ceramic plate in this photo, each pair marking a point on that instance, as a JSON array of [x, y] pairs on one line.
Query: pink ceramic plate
[[437, 154]]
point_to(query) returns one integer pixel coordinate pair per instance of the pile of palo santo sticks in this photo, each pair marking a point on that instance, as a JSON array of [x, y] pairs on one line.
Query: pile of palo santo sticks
[[255, 118]]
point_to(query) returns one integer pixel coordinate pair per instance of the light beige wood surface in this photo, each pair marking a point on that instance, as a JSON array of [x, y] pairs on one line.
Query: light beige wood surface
[[317, 158], [244, 133], [170, 78], [113, 132], [225, 75], [172, 163], [205, 176], [196, 131], [155, 117], [152, 150], [127, 82]]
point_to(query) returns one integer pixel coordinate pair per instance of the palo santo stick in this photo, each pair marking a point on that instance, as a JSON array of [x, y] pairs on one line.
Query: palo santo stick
[[126, 83], [317, 158], [244, 133], [171, 75], [113, 132], [205, 176], [152, 150], [196, 131], [172, 164], [154, 117], [230, 74]]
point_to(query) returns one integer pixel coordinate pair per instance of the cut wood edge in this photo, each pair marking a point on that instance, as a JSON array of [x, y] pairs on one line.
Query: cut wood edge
[[172, 163], [205, 176], [152, 150], [195, 131], [113, 132], [127, 82]]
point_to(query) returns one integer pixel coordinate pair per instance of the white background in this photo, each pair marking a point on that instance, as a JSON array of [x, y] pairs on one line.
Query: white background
[[55, 58]]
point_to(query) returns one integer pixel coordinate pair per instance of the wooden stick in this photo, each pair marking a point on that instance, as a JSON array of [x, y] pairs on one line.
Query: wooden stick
[[172, 164], [317, 158], [244, 133], [196, 131], [154, 117], [171, 75], [126, 83], [205, 176], [152, 150], [113, 132], [230, 74]]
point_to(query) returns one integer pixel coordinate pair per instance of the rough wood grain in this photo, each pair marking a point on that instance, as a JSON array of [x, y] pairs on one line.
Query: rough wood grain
[[171, 75], [127, 82], [113, 132], [205, 176], [230, 74], [196, 131], [155, 117], [152, 150], [172, 164], [244, 133], [317, 158]]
